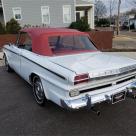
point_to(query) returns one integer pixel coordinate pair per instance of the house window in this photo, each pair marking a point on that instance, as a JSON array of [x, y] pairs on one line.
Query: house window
[[67, 14], [45, 14], [17, 13]]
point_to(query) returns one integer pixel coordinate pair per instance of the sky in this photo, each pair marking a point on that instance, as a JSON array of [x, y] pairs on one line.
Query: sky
[[126, 5]]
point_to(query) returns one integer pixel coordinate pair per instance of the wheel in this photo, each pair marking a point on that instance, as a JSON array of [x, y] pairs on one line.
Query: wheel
[[38, 91], [7, 67]]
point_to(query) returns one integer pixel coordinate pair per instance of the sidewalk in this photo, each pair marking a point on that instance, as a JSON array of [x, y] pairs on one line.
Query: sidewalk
[[128, 34], [124, 42], [125, 36]]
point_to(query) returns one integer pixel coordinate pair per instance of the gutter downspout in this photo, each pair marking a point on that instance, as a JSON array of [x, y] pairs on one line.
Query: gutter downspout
[[75, 9], [4, 15]]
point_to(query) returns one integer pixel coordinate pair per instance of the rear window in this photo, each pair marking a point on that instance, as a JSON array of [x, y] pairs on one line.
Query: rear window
[[67, 44]]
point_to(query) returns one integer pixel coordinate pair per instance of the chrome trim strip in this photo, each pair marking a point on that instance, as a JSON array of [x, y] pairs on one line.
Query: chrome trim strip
[[104, 97], [111, 76], [108, 85], [39, 65]]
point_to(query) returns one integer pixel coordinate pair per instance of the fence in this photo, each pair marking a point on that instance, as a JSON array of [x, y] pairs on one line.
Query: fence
[[102, 39], [7, 38]]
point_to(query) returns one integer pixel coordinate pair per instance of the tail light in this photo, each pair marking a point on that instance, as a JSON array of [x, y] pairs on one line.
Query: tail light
[[81, 79]]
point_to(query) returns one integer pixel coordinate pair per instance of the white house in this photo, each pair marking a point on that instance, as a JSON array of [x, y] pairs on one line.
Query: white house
[[53, 13]]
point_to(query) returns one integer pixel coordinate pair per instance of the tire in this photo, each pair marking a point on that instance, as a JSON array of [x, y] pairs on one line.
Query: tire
[[7, 67], [38, 91]]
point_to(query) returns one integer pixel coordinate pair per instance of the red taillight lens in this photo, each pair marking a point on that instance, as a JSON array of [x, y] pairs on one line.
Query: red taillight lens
[[81, 79]]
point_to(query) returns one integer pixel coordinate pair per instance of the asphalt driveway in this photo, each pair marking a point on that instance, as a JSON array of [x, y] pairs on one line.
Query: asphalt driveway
[[20, 115]]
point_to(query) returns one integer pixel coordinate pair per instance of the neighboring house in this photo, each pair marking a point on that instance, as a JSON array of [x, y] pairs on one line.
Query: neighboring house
[[128, 19], [53, 13], [133, 22]]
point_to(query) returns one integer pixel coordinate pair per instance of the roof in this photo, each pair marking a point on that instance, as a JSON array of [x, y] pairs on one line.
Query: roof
[[50, 31], [40, 36], [83, 2]]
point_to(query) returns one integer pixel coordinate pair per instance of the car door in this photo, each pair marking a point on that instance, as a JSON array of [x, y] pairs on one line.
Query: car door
[[26, 47], [15, 58], [18, 49]]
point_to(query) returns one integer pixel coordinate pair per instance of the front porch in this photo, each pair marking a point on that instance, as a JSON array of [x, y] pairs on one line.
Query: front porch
[[86, 11]]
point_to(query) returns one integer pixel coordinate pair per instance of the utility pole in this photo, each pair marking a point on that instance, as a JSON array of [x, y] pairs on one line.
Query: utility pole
[[118, 17]]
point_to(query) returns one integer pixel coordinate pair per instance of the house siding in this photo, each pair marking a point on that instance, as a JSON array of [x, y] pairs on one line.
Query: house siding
[[31, 11]]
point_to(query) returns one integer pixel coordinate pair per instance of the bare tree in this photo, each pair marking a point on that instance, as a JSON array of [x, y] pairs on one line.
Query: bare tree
[[118, 17], [100, 9], [112, 5]]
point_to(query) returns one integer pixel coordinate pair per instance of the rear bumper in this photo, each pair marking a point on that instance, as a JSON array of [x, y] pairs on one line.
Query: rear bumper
[[89, 101]]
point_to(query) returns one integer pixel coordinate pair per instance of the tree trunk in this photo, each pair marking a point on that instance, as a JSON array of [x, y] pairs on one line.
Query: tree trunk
[[118, 18]]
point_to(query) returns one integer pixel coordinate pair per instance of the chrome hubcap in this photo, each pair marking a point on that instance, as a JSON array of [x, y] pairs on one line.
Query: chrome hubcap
[[39, 90]]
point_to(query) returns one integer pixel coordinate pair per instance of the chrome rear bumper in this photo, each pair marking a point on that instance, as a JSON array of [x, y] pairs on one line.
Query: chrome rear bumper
[[89, 101]]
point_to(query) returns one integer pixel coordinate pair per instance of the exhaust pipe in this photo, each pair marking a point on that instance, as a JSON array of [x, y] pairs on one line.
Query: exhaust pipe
[[98, 113], [91, 107], [132, 92]]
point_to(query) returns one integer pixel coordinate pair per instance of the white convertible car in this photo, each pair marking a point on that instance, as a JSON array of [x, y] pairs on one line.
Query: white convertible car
[[64, 66]]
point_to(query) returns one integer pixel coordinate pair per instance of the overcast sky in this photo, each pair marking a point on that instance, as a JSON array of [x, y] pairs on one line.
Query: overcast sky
[[125, 5]]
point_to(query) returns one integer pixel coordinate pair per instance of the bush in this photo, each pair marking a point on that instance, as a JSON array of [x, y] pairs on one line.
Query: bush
[[132, 26], [13, 27], [102, 23], [2, 29], [81, 25]]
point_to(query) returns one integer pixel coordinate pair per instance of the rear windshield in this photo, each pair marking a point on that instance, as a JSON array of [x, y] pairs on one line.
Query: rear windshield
[[70, 44]]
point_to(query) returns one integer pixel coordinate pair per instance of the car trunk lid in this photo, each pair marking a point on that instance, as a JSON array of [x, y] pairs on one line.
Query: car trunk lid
[[95, 63]]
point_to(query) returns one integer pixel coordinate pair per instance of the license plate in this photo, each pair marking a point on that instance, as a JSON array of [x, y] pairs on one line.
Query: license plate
[[118, 97]]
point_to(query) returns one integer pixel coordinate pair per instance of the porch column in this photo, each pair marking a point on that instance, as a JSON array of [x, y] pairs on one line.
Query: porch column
[[91, 17]]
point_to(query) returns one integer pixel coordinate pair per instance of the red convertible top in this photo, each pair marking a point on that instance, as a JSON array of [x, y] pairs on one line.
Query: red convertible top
[[40, 37], [50, 31]]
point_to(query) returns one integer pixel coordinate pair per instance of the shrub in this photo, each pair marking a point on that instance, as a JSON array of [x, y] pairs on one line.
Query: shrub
[[132, 26], [12, 26], [102, 23], [2, 29], [81, 25]]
